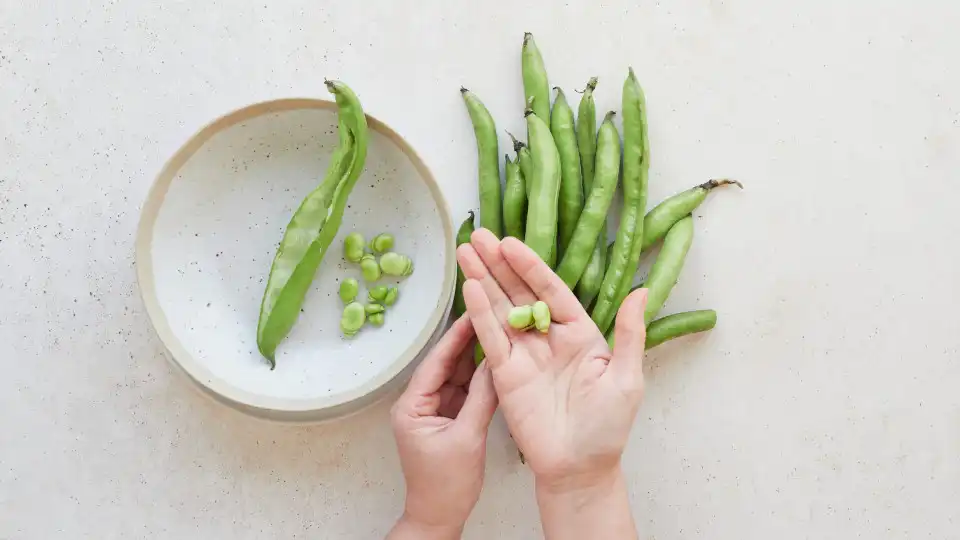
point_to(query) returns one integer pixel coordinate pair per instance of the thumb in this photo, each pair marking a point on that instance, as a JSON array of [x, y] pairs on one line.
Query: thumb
[[477, 411], [630, 336]]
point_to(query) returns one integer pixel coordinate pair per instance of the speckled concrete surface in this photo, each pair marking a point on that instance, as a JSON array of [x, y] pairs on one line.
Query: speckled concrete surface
[[823, 406]]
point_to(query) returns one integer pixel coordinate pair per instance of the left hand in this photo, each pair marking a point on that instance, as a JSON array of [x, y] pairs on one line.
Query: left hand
[[440, 423]]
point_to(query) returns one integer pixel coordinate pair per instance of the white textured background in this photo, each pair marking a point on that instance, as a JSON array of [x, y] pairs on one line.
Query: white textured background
[[823, 406]]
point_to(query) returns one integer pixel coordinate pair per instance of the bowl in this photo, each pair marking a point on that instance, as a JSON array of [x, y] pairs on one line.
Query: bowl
[[207, 236]]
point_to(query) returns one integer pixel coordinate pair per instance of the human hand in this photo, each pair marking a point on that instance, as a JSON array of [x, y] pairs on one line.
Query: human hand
[[440, 424], [569, 401]]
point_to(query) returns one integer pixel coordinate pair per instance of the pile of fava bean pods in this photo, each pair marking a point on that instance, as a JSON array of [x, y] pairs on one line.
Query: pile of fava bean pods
[[558, 191]]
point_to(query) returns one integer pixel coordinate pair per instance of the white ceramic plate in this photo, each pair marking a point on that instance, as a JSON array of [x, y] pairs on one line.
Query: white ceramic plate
[[209, 231]]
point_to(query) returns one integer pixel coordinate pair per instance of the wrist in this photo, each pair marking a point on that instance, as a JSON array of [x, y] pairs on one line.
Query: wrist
[[586, 506], [583, 486], [410, 526]]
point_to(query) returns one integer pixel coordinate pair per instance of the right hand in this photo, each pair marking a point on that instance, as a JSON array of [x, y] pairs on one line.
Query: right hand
[[568, 401]]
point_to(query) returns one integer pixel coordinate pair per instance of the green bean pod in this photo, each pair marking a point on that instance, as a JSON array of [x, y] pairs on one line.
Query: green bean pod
[[677, 325], [535, 85], [514, 200], [594, 215], [636, 165], [541, 231], [312, 228], [525, 160], [488, 163], [664, 215], [589, 283], [571, 182], [666, 268], [463, 237]]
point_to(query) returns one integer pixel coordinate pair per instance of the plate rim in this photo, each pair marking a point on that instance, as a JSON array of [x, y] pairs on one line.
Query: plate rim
[[271, 407]]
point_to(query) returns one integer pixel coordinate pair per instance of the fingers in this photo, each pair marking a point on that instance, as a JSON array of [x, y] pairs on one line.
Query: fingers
[[441, 363], [486, 324], [630, 335], [564, 306], [473, 268], [481, 402], [487, 247]]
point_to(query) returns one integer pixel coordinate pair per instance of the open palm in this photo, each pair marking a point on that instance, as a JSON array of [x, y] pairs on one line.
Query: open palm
[[569, 401]]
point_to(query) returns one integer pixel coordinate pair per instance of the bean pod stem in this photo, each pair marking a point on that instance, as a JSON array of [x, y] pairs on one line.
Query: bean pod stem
[[525, 161], [663, 216]]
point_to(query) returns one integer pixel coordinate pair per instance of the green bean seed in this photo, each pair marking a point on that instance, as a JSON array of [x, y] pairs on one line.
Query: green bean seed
[[541, 316], [520, 317], [377, 294], [589, 284], [349, 288], [463, 237], [376, 319], [394, 264], [381, 243], [514, 200], [541, 231], [636, 164], [571, 181], [391, 296], [352, 319], [535, 84], [676, 325], [370, 309], [663, 216], [353, 247], [666, 268], [488, 163], [369, 268], [594, 214]]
